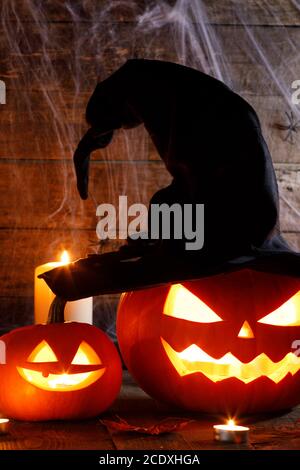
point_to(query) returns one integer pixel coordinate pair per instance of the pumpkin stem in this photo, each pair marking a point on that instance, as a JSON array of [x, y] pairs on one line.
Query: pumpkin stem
[[57, 311]]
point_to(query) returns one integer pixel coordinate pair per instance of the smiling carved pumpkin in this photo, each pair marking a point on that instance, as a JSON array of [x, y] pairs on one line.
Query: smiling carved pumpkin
[[224, 344], [58, 371]]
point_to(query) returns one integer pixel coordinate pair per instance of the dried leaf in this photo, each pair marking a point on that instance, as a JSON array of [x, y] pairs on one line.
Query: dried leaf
[[165, 426]]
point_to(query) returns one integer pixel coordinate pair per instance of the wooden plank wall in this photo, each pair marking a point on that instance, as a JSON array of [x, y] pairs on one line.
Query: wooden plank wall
[[50, 61]]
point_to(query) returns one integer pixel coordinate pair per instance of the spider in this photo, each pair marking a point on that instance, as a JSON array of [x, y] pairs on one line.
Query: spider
[[292, 127]]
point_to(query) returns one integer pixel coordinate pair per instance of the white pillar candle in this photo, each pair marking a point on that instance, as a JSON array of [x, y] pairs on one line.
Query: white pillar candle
[[78, 310]]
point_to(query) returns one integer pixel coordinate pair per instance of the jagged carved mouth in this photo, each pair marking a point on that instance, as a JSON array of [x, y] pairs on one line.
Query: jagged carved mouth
[[193, 359]]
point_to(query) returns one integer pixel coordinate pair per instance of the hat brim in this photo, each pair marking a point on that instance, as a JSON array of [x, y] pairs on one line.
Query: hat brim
[[110, 273]]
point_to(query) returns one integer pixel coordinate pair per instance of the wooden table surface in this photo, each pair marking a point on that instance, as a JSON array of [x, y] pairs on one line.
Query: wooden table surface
[[276, 432]]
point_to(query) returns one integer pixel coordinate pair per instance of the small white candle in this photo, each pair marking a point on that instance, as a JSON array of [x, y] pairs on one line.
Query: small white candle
[[231, 432], [4, 424], [78, 310]]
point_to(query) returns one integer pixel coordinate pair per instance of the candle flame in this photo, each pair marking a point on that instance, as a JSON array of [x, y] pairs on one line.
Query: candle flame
[[231, 423], [65, 258]]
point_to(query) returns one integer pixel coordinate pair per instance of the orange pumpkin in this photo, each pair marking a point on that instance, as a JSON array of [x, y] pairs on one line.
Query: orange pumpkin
[[58, 371], [224, 344]]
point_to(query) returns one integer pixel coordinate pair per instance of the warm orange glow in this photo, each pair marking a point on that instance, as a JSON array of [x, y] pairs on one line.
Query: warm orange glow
[[181, 303], [43, 353], [246, 331], [288, 314], [60, 382], [230, 426], [86, 355], [65, 258], [193, 359]]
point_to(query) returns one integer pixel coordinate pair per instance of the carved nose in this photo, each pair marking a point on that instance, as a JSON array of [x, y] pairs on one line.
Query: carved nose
[[246, 331]]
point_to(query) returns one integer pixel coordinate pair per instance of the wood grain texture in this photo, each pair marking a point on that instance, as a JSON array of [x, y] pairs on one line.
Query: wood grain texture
[[293, 238], [57, 436], [15, 311], [106, 11], [289, 183], [48, 88], [22, 139], [272, 112], [273, 432], [18, 311], [42, 138], [254, 12], [43, 194], [36, 65], [50, 67], [23, 250]]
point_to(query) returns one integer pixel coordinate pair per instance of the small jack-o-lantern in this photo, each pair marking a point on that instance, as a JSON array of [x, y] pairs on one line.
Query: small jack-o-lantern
[[58, 371], [224, 344]]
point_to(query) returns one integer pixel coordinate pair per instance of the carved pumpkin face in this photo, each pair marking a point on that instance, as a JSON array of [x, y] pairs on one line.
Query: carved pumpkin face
[[221, 344], [58, 371], [43, 370]]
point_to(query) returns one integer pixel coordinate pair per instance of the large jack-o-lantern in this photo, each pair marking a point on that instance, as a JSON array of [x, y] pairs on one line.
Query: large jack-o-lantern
[[58, 371], [224, 344]]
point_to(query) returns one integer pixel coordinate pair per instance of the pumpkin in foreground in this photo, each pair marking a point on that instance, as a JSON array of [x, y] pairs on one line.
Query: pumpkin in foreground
[[224, 344], [58, 371]]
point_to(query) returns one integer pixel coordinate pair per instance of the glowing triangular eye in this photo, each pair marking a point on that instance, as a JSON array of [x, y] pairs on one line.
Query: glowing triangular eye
[[86, 355], [42, 353], [288, 314], [181, 303]]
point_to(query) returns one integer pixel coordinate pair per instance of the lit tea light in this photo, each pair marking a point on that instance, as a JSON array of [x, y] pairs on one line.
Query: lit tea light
[[231, 432], [78, 310], [4, 425]]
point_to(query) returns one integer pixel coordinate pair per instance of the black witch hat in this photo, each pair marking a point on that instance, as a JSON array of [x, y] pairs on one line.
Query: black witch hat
[[211, 142]]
